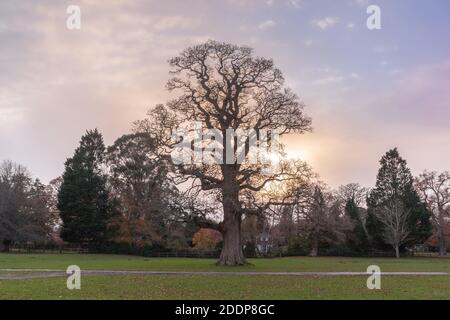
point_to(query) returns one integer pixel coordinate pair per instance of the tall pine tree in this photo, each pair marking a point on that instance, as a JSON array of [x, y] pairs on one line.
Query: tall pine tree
[[83, 200], [395, 182]]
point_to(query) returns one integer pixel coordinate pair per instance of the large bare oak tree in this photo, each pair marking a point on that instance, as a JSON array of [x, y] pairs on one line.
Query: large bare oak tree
[[225, 86]]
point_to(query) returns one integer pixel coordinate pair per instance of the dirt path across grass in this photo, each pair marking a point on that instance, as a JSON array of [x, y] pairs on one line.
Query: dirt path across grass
[[16, 274]]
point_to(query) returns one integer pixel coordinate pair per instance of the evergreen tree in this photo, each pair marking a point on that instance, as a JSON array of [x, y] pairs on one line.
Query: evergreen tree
[[357, 240], [395, 182], [83, 199]]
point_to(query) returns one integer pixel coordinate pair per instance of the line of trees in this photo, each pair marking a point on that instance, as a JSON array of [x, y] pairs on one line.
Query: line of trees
[[126, 194], [356, 220], [27, 207], [132, 192]]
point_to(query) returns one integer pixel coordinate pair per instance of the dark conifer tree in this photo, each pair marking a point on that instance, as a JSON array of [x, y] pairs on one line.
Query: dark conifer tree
[[83, 199], [395, 181]]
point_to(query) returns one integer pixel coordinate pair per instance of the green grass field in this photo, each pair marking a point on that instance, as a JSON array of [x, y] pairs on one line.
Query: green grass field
[[228, 287], [224, 286], [123, 262]]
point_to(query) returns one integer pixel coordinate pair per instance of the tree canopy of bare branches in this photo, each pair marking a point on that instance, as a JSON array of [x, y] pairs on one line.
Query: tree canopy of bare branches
[[394, 216], [434, 189], [225, 86], [25, 206]]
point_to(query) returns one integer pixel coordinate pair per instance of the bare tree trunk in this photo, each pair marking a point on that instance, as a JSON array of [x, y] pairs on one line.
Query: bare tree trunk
[[232, 253], [315, 246], [442, 247], [442, 244], [441, 236], [6, 245], [397, 252]]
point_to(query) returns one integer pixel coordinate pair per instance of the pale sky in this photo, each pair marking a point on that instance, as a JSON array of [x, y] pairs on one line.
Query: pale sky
[[367, 91]]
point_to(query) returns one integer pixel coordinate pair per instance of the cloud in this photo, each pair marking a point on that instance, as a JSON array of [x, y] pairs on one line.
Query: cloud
[[175, 22], [362, 3], [329, 80], [266, 25], [333, 79], [295, 3], [420, 96], [383, 49], [308, 43], [56, 83], [10, 117], [325, 23], [395, 72]]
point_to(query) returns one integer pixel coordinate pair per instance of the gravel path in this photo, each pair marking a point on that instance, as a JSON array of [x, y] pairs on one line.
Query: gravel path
[[50, 273]]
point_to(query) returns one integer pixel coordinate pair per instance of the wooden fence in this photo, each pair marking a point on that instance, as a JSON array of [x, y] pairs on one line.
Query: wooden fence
[[59, 249], [31, 248], [173, 253]]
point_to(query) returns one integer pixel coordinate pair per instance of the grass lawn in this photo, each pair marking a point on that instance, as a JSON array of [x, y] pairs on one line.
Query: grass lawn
[[228, 287], [299, 264], [224, 286]]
